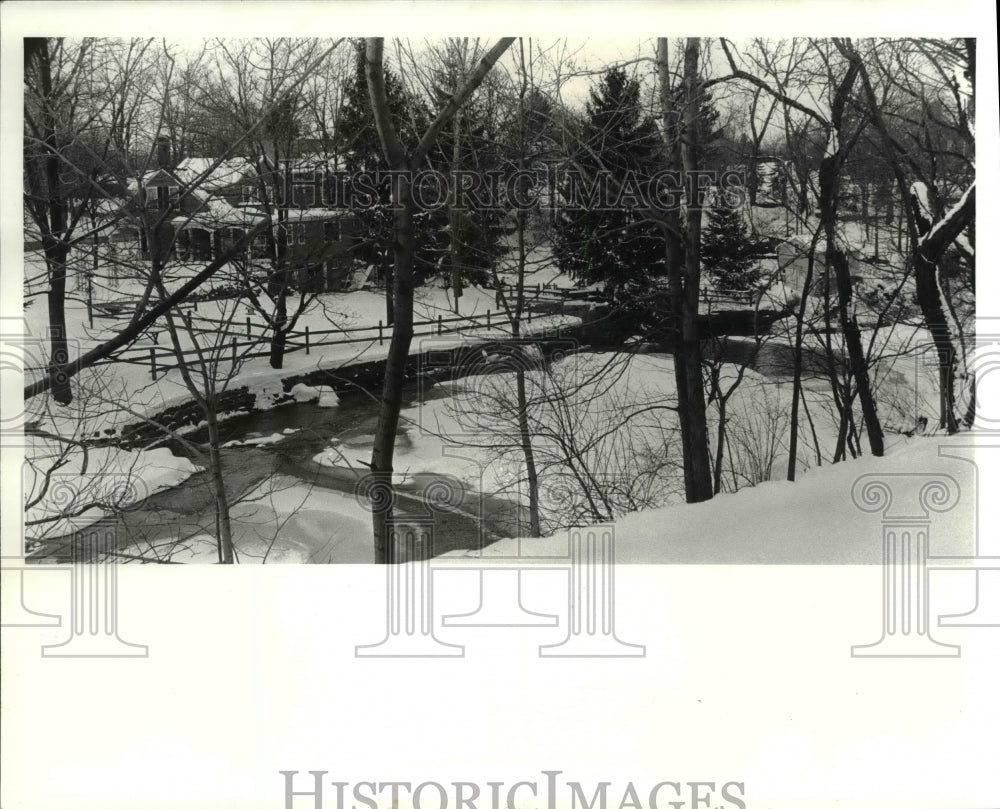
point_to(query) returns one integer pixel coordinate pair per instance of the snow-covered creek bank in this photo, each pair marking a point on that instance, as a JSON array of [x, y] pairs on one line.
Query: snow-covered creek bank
[[287, 507], [293, 472]]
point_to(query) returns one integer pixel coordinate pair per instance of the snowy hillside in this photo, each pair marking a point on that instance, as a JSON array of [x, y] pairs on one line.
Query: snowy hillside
[[810, 521]]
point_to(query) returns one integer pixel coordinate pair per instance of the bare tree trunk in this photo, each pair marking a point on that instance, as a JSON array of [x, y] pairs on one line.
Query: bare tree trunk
[[56, 256], [929, 300], [390, 305], [279, 329], [395, 369], [694, 419], [829, 172], [534, 518], [800, 315], [521, 223], [720, 446], [675, 262], [947, 344], [852, 337], [278, 280], [674, 256], [206, 397], [926, 249], [54, 233], [403, 282], [225, 538]]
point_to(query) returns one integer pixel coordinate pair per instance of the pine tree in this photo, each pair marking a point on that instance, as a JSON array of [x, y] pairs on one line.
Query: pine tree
[[358, 142], [608, 242], [709, 146], [479, 233], [727, 251]]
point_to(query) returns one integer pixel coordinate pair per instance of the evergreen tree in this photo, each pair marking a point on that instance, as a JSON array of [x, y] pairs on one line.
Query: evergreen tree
[[606, 238], [727, 251], [479, 232], [358, 142]]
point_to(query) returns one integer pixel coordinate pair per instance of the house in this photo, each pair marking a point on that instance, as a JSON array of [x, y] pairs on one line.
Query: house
[[212, 230], [162, 202], [320, 244], [214, 203], [235, 180]]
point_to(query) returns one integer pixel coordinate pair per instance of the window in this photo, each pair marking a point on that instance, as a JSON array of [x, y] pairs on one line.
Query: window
[[163, 195], [295, 234], [249, 194]]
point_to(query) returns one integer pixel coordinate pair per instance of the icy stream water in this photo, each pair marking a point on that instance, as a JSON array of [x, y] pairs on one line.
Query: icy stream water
[[299, 432], [287, 464]]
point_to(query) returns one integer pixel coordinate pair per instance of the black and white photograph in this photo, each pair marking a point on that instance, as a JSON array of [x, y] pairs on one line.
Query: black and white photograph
[[587, 418]]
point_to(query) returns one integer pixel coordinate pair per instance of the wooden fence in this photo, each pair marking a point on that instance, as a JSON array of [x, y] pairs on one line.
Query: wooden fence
[[239, 339]]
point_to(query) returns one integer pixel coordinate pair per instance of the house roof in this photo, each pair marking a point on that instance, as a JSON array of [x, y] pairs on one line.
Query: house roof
[[314, 214], [227, 173], [151, 176], [217, 213]]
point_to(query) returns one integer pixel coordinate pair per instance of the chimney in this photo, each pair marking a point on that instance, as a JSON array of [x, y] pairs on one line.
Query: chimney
[[163, 152]]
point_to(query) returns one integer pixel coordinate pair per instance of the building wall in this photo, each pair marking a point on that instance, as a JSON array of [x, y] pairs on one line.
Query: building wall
[[322, 249]]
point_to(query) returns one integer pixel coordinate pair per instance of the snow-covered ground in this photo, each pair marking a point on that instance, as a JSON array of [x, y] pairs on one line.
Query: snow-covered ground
[[773, 522], [616, 411], [811, 521], [130, 386], [68, 489], [112, 395]]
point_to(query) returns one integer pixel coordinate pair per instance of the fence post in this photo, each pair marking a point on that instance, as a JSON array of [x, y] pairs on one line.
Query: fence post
[[380, 332], [152, 362], [307, 341], [439, 324], [248, 327]]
